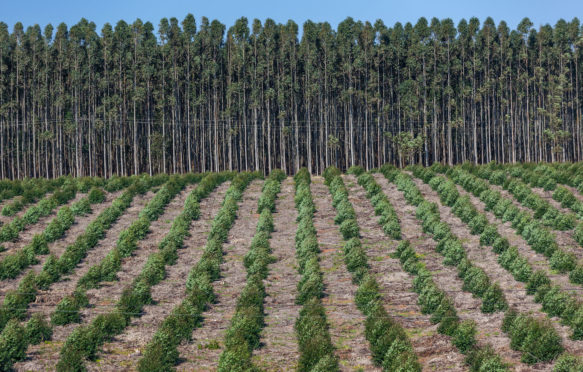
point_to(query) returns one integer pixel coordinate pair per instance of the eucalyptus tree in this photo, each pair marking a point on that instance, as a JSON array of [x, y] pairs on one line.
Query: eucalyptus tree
[[199, 97]]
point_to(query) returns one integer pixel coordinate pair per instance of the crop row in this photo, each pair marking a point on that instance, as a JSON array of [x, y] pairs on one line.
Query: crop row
[[543, 210], [28, 189], [13, 264], [315, 345], [389, 343], [11, 230], [16, 302], [34, 189], [67, 310], [435, 301], [161, 353], [536, 282], [538, 237], [85, 340], [243, 334]]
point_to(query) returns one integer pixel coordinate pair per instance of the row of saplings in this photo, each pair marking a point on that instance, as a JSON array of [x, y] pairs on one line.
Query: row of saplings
[[389, 344], [84, 341], [15, 338], [314, 343], [28, 191], [433, 300], [63, 189], [13, 264], [525, 332], [543, 210], [555, 301], [540, 239], [161, 353], [11, 230], [243, 334]]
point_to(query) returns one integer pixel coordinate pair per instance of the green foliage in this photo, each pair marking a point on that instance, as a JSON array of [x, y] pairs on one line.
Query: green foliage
[[537, 279], [485, 360], [357, 170], [568, 363], [493, 299], [563, 261], [537, 339], [96, 195], [313, 336], [38, 329], [464, 337], [13, 344]]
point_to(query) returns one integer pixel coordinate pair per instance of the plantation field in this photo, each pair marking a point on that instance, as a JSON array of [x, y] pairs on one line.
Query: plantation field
[[466, 268]]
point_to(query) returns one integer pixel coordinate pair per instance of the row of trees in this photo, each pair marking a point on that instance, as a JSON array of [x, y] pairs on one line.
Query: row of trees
[[133, 99]]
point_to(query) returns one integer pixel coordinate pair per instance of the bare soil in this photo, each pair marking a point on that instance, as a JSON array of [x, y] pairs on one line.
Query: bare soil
[[435, 351], [124, 352], [346, 321], [279, 351], [200, 354]]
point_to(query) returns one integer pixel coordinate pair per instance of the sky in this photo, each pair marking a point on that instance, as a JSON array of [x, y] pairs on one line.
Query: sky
[[42, 12]]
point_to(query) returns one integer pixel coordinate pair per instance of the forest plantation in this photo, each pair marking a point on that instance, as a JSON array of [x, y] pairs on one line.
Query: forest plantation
[[188, 96]]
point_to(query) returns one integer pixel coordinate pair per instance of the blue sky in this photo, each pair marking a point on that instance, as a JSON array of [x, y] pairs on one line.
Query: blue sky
[[42, 12]]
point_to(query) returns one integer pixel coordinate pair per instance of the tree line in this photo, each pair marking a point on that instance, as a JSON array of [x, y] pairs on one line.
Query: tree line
[[184, 97]]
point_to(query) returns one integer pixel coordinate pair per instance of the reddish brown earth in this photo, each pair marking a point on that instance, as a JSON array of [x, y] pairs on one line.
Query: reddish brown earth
[[279, 351], [199, 354], [435, 351], [346, 321], [124, 352]]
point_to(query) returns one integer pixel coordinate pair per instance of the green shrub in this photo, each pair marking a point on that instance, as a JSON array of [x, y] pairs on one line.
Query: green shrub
[[485, 360], [489, 235], [67, 311], [367, 294], [537, 279], [401, 358], [349, 229], [537, 339], [568, 363], [500, 245], [563, 261], [464, 337], [357, 170], [576, 275], [38, 329], [493, 299], [13, 344], [96, 195]]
